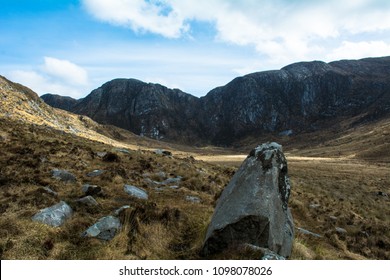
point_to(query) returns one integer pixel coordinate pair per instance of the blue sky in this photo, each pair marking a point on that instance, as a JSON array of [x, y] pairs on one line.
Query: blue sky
[[72, 47]]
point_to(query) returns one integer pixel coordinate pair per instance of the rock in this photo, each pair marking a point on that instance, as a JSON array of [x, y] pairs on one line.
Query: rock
[[88, 200], [91, 189], [253, 208], [50, 191], [135, 192], [314, 205], [105, 228], [162, 152], [123, 151], [55, 215], [305, 231], [340, 230], [172, 180], [95, 173], [193, 199], [174, 187], [380, 193], [63, 175], [118, 211], [101, 154], [270, 256]]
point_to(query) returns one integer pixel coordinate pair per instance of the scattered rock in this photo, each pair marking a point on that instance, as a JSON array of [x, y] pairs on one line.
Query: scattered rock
[[136, 192], [334, 218], [162, 152], [118, 211], [341, 230], [95, 173], [50, 191], [63, 175], [314, 205], [91, 189], [172, 180], [174, 187], [271, 256], [305, 231], [380, 193], [105, 228], [88, 200], [101, 154], [193, 199], [55, 215], [123, 151], [253, 207]]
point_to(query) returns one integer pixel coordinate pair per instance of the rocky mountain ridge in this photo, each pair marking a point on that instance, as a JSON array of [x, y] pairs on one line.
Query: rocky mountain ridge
[[301, 97]]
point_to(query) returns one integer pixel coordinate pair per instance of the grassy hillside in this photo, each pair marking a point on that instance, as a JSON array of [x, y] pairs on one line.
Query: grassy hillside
[[340, 188]]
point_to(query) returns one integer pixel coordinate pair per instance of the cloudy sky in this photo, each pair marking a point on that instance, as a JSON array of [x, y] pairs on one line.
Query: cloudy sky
[[70, 47]]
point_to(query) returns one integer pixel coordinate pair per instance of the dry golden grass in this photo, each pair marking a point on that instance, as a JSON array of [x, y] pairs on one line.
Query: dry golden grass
[[336, 183]]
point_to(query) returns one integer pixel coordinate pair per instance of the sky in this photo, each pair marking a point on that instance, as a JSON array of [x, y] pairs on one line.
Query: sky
[[70, 47]]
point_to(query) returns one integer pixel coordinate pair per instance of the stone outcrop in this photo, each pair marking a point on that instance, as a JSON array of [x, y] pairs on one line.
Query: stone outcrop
[[105, 228], [253, 208], [301, 97], [55, 215]]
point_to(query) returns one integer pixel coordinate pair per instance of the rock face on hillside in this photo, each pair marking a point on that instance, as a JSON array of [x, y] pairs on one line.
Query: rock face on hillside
[[304, 96], [62, 102], [147, 109], [253, 208]]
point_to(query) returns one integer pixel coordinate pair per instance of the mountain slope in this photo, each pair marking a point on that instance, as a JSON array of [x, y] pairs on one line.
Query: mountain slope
[[301, 97]]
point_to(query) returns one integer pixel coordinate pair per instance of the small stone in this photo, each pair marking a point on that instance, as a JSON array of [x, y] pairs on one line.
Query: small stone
[[334, 218], [55, 215], [63, 175], [135, 192], [88, 200], [95, 173], [341, 230], [105, 228], [122, 150], [174, 187], [305, 231], [118, 211], [193, 199], [101, 154], [314, 205], [162, 152], [50, 191], [172, 180]]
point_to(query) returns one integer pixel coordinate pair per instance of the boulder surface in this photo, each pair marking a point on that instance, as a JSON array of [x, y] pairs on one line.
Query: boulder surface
[[253, 208]]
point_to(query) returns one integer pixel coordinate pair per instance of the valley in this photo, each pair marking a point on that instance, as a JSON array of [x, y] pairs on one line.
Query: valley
[[340, 178]]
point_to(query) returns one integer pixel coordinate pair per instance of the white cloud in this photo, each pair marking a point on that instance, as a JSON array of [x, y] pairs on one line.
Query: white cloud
[[356, 50], [153, 16], [54, 76], [65, 70], [282, 31]]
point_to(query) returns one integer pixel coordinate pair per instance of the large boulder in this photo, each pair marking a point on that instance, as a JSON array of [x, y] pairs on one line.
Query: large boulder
[[55, 215], [253, 207]]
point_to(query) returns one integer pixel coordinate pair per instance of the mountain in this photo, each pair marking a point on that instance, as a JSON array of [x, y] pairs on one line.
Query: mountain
[[60, 102], [301, 97]]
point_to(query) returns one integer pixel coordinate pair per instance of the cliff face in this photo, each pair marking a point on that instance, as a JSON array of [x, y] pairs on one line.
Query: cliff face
[[146, 109], [300, 97], [62, 102]]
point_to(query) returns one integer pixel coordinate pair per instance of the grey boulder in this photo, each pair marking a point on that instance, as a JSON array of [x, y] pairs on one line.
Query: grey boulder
[[253, 207], [55, 215], [105, 228], [135, 192], [63, 175]]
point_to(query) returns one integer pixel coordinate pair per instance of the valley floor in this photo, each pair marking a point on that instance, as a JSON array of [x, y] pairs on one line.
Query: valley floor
[[340, 205]]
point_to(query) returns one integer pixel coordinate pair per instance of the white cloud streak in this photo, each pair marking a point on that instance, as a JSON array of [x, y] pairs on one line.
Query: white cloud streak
[[54, 76], [281, 30]]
